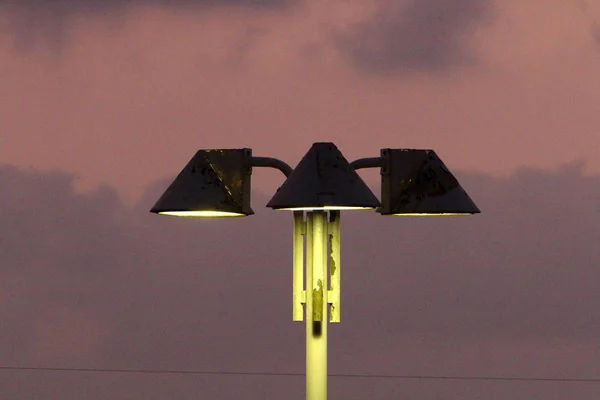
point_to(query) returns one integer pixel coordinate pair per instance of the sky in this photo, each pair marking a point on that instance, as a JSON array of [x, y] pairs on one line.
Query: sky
[[104, 101]]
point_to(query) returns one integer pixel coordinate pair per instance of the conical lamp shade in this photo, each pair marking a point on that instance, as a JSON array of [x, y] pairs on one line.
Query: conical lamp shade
[[323, 180], [215, 183], [416, 182]]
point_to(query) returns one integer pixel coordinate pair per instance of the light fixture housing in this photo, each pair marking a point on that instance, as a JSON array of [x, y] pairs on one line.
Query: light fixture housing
[[214, 183], [323, 180], [416, 182]]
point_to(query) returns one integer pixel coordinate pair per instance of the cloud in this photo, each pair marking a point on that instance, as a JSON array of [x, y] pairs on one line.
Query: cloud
[[71, 6], [415, 35], [595, 31], [520, 269], [88, 281], [31, 21]]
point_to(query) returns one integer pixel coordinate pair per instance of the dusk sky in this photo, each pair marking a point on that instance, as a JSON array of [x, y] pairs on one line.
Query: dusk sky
[[104, 101]]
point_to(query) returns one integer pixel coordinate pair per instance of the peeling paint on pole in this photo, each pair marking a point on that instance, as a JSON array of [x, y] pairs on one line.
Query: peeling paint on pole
[[318, 301], [334, 266]]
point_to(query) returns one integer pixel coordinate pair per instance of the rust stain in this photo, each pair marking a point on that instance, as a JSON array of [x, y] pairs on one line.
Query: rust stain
[[318, 302]]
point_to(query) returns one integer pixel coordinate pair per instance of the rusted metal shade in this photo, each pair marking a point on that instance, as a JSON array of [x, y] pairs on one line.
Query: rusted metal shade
[[215, 183], [416, 182], [323, 180]]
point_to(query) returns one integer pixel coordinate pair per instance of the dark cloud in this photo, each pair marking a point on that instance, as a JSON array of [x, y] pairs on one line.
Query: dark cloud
[[32, 21], [73, 6], [596, 33], [415, 35], [86, 281]]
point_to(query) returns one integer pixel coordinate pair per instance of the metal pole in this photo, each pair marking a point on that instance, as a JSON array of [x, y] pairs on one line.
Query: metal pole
[[273, 163], [316, 305], [298, 294], [372, 162], [334, 266]]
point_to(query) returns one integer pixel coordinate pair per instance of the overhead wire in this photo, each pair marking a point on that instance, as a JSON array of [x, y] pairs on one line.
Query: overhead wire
[[295, 374]]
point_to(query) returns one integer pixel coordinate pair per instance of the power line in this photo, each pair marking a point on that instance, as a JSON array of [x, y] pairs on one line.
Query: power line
[[295, 374]]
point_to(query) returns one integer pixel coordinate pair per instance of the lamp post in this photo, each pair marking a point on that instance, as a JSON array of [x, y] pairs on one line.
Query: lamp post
[[216, 183]]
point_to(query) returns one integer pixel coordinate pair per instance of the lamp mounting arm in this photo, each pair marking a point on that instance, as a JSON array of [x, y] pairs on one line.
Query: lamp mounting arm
[[272, 163], [372, 162]]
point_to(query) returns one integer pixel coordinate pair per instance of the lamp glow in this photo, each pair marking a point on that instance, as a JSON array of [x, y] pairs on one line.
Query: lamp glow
[[202, 214], [326, 208], [429, 214]]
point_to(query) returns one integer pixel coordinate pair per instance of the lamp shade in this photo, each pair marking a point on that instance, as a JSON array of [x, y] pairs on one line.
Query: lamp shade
[[215, 183], [416, 182], [323, 180]]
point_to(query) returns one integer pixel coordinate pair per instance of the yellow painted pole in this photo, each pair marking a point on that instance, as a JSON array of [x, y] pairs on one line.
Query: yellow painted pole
[[334, 266], [316, 305], [298, 267]]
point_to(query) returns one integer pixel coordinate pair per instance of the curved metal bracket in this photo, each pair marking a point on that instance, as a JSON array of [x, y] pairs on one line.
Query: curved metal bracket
[[372, 162], [272, 163]]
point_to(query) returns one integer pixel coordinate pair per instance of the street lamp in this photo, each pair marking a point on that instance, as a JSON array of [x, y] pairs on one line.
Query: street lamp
[[216, 183], [322, 185], [416, 182]]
